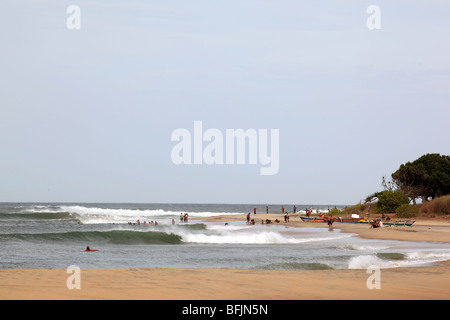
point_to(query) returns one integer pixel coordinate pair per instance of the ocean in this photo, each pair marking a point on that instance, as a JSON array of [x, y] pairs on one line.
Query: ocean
[[55, 235]]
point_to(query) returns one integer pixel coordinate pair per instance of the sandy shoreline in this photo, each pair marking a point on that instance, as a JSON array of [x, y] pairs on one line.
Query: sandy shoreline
[[234, 284], [226, 284]]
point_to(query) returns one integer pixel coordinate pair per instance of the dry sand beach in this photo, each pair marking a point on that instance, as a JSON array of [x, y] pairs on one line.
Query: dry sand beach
[[206, 284]]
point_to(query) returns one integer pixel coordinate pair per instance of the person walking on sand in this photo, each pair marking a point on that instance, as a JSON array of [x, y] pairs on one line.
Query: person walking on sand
[[254, 210], [248, 218], [282, 209]]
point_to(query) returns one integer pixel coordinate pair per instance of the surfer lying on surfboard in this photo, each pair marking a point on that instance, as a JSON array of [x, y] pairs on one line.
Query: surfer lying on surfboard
[[89, 249]]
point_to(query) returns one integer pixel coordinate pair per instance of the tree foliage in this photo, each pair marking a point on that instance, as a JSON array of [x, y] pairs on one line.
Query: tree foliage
[[390, 200], [428, 176]]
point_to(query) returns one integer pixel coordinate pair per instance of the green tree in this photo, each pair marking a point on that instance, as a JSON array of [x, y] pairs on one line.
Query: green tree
[[390, 200], [428, 176]]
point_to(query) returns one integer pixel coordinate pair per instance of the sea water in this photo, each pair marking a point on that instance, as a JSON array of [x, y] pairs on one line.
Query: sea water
[[55, 235]]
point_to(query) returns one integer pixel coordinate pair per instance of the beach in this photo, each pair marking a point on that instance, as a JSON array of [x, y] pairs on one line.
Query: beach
[[428, 282], [150, 150], [227, 284]]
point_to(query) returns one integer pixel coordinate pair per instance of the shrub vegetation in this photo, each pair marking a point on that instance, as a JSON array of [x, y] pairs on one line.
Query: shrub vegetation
[[439, 206], [390, 200]]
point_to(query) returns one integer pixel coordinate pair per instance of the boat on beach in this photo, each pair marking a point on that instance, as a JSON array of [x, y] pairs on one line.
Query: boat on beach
[[313, 219], [396, 222], [399, 222], [325, 219], [346, 220]]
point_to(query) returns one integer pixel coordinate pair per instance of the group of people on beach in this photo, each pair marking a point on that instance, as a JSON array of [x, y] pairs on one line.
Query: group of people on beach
[[266, 221], [138, 223], [184, 217], [282, 209]]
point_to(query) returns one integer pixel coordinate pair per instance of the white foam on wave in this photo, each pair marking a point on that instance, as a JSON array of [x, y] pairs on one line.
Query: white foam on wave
[[412, 259], [367, 247], [365, 261], [248, 235], [231, 238], [96, 215], [428, 257]]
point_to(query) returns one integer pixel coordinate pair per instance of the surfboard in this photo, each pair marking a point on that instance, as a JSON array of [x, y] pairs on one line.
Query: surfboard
[[90, 250]]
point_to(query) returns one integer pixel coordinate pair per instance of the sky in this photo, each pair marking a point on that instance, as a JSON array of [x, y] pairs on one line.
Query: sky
[[86, 115]]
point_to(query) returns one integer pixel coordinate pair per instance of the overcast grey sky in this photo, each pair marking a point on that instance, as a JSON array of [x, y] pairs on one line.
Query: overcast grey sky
[[87, 115]]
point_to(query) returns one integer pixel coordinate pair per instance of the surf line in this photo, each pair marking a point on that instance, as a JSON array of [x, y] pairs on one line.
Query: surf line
[[216, 151]]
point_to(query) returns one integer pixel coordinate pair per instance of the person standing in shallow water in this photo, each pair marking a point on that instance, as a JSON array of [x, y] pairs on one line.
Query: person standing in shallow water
[[330, 222]]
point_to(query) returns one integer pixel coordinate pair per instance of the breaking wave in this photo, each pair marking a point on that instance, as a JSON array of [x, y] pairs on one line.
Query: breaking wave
[[393, 260], [98, 215], [113, 236]]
